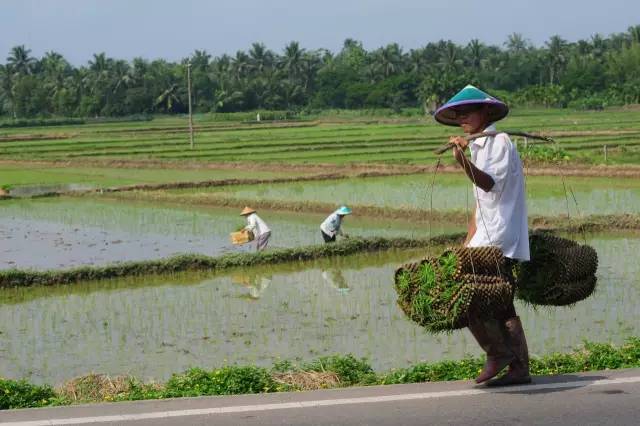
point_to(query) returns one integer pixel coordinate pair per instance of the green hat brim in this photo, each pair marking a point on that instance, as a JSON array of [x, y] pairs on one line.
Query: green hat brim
[[470, 95]]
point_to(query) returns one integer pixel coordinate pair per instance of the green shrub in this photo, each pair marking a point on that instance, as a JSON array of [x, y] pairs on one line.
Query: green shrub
[[224, 381], [544, 153], [349, 369], [20, 394], [446, 370]]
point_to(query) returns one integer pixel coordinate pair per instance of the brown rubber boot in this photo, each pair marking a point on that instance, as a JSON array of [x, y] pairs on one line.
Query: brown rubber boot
[[491, 339], [518, 373]]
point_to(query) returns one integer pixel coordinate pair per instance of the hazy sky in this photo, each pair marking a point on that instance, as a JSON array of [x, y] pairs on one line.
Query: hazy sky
[[171, 29]]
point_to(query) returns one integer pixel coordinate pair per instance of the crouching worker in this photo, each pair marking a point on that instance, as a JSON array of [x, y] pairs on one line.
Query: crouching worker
[[256, 225], [499, 219], [332, 224]]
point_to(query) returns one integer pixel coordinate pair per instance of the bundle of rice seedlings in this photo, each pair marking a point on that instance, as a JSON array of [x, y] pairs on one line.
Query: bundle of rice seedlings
[[440, 293], [561, 272]]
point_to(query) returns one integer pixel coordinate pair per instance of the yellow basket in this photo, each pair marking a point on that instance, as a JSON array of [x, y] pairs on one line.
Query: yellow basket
[[241, 237]]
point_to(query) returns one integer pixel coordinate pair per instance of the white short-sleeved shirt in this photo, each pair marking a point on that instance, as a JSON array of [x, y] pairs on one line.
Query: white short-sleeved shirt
[[501, 213], [256, 225]]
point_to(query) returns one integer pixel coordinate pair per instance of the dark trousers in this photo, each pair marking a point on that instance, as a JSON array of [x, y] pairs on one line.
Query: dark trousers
[[328, 239]]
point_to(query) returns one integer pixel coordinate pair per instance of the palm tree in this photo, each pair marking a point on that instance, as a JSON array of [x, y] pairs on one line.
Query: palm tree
[[311, 63], [475, 51], [200, 60], [390, 59], [100, 63], [449, 60], [6, 88], [261, 58], [417, 61], [516, 43], [240, 65], [292, 60], [122, 76], [372, 70], [168, 101], [634, 33], [20, 61], [556, 56]]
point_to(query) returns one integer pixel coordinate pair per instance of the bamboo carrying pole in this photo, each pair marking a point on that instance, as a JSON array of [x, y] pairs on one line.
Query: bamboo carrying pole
[[474, 136]]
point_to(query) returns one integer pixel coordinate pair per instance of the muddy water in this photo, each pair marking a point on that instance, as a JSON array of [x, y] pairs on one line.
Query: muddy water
[[153, 327], [66, 232], [545, 195]]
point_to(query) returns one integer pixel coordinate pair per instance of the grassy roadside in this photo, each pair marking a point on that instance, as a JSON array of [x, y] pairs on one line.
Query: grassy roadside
[[322, 373]]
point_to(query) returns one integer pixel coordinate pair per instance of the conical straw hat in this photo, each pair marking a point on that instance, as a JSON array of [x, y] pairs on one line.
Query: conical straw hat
[[247, 211], [471, 95]]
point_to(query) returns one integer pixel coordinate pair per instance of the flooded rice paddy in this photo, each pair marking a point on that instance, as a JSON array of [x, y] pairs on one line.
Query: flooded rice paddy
[[67, 232], [545, 195], [154, 326]]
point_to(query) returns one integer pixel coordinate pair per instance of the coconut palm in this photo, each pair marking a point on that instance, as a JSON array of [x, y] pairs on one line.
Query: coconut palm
[[634, 33], [475, 52], [390, 59], [516, 43], [200, 60], [169, 101], [556, 57], [291, 61], [100, 63], [417, 62], [20, 61], [6, 89], [449, 56], [240, 66], [261, 58]]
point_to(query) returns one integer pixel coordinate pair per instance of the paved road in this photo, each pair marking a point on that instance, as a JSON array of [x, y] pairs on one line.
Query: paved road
[[605, 398]]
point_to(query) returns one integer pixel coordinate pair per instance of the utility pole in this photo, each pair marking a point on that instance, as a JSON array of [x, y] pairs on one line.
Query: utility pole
[[190, 114]]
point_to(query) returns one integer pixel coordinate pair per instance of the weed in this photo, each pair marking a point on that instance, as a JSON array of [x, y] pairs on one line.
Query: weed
[[20, 394], [223, 381]]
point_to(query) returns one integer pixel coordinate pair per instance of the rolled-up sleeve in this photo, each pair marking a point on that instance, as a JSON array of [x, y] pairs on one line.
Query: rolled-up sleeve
[[498, 161]]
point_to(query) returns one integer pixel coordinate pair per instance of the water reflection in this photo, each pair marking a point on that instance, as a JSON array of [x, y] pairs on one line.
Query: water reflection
[[335, 279], [254, 282]]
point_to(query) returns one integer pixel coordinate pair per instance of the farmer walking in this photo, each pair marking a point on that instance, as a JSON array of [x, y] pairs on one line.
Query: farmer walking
[[258, 227], [332, 224], [499, 219]]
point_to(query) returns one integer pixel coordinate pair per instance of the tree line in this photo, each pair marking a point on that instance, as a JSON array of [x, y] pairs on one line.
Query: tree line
[[589, 73]]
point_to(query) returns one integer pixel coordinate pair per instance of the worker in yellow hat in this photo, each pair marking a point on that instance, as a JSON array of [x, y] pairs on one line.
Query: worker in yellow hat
[[258, 227]]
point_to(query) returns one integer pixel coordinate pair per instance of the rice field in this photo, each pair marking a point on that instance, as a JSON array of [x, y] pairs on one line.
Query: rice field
[[64, 232], [327, 139], [546, 195], [154, 326]]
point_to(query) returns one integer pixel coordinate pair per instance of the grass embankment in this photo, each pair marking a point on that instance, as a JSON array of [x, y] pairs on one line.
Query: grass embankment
[[325, 372], [193, 262], [334, 139]]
